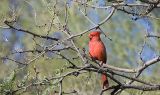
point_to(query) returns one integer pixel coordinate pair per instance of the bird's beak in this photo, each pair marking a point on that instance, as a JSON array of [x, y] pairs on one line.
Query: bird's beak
[[90, 37]]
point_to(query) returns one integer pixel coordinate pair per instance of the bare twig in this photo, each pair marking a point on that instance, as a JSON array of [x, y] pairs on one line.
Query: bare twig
[[28, 32]]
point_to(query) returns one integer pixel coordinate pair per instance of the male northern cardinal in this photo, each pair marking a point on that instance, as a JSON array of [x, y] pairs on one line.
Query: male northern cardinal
[[97, 51]]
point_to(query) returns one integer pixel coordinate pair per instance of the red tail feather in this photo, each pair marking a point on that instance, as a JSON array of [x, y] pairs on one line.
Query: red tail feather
[[105, 82]]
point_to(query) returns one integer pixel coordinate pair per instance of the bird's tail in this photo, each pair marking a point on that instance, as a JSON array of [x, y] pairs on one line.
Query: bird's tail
[[105, 82]]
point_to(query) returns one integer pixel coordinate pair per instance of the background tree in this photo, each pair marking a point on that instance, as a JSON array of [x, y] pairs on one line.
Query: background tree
[[44, 47]]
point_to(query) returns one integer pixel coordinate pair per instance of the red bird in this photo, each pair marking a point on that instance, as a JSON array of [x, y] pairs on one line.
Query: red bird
[[97, 51]]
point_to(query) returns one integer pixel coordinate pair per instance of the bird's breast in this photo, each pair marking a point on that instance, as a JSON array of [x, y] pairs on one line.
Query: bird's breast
[[97, 50]]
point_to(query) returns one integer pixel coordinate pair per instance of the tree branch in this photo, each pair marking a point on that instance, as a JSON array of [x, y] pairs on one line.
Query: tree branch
[[28, 32]]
